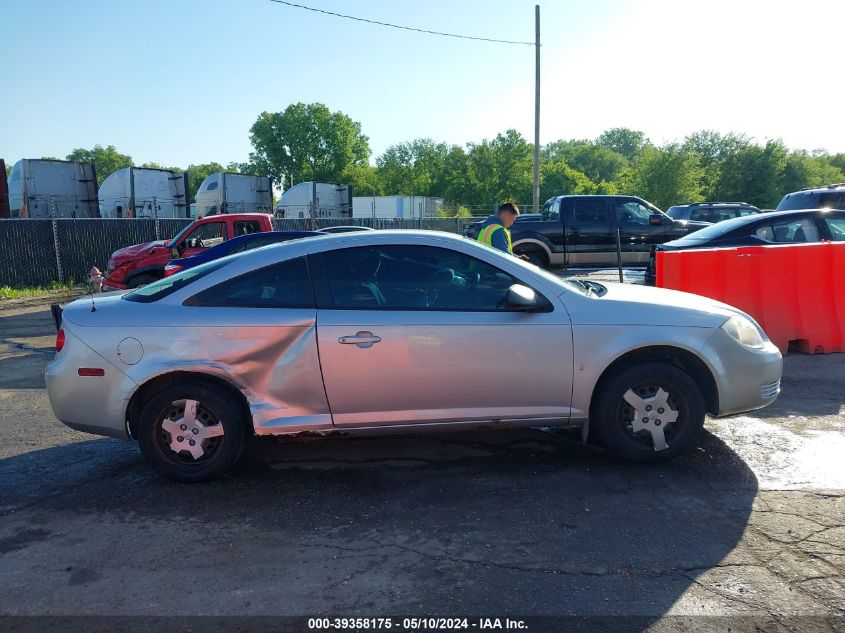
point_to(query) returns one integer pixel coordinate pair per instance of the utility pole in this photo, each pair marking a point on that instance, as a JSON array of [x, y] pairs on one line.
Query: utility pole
[[536, 108]]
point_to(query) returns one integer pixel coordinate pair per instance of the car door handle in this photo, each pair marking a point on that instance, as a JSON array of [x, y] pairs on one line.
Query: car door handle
[[361, 339]]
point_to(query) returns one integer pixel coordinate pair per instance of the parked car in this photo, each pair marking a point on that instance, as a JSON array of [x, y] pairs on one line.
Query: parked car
[[777, 227], [141, 264], [235, 245], [341, 333], [828, 197], [345, 229], [581, 231], [711, 212]]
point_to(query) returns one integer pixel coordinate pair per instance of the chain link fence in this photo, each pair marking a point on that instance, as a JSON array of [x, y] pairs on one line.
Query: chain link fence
[[37, 252]]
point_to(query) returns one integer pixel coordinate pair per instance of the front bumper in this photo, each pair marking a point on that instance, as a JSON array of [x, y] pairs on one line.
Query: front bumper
[[111, 284], [748, 379]]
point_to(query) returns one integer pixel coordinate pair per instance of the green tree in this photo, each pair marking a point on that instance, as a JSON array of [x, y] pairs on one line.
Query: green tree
[[364, 179], [106, 160], [753, 174], [624, 140], [712, 148], [665, 176], [595, 161], [305, 142], [8, 169], [558, 179]]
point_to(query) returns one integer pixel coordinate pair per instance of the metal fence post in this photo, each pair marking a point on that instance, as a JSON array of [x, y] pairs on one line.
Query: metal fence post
[[158, 231], [54, 221]]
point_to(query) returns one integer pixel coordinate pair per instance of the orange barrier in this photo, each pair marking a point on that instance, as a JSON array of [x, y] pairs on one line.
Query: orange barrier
[[796, 292]]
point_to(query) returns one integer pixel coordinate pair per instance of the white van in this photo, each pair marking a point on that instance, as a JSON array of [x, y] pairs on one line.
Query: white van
[[46, 188], [223, 192], [140, 192]]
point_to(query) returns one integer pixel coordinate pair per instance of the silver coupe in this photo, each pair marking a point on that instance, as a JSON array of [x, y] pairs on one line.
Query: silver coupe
[[393, 331]]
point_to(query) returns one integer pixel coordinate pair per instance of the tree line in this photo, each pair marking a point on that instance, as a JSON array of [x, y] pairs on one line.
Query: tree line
[[310, 142]]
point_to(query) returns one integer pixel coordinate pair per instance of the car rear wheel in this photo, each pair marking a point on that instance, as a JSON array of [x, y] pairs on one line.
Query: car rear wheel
[[191, 432], [141, 280], [648, 412]]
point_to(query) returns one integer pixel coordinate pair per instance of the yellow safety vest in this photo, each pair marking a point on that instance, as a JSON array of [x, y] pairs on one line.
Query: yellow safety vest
[[485, 236]]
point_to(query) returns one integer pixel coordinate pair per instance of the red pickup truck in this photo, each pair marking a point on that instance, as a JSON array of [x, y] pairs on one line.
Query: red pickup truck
[[141, 264]]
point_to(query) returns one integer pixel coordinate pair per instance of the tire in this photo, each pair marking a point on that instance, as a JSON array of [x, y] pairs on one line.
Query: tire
[[210, 456], [141, 280], [536, 258], [614, 412]]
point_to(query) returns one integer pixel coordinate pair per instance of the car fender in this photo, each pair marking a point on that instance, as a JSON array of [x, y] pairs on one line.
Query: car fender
[[534, 239]]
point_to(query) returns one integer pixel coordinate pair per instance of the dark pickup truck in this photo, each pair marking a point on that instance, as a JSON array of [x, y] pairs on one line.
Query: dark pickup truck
[[581, 231]]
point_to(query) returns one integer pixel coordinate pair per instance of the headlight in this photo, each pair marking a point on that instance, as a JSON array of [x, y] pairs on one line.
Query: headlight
[[744, 332]]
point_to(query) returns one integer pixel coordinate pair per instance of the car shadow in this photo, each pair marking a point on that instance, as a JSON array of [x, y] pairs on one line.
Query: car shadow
[[506, 522]]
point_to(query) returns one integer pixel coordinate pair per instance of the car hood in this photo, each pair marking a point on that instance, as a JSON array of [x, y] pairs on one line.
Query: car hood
[[632, 304], [131, 252]]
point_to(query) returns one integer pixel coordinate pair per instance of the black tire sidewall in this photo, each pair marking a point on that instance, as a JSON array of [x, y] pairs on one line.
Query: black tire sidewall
[[229, 414], [536, 258], [609, 428]]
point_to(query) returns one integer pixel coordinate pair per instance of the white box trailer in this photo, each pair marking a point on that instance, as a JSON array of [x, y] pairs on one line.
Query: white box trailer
[[223, 192], [140, 192], [395, 206], [42, 188], [333, 201]]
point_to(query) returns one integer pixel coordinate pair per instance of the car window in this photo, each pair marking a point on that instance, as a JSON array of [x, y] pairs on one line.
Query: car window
[[836, 226], [789, 231], [168, 285], [748, 211], [676, 213], [206, 235], [813, 200], [720, 215], [247, 227], [282, 285], [632, 212], [590, 211], [700, 215], [414, 278], [211, 186]]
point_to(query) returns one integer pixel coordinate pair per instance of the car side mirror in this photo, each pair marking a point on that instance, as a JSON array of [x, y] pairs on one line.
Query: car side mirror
[[174, 252], [523, 298], [655, 219]]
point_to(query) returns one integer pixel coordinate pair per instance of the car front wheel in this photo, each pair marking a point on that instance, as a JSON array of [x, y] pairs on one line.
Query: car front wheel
[[191, 432], [648, 412]]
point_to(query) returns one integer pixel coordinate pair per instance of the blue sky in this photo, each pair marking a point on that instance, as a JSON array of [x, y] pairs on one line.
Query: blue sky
[[181, 81]]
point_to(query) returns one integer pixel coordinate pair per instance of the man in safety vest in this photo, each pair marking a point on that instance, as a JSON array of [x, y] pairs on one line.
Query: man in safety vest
[[494, 232]]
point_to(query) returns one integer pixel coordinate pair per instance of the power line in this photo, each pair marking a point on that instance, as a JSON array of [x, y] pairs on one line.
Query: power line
[[399, 26]]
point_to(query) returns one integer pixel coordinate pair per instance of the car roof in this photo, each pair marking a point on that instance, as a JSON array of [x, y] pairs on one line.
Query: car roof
[[837, 186], [720, 229], [713, 204]]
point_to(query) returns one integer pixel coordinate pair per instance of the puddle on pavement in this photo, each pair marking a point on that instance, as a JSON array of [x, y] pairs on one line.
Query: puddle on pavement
[[782, 459]]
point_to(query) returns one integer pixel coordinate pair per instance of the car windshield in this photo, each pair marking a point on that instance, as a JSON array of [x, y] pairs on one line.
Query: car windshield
[[179, 235], [169, 285], [716, 230]]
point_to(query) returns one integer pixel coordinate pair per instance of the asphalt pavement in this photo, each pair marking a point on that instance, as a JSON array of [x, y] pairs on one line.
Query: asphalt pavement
[[746, 531]]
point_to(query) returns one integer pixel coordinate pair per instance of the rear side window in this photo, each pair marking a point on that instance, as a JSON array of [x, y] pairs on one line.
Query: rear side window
[[168, 285], [247, 227], [700, 215], [813, 200], [676, 213], [836, 226], [789, 231], [282, 285], [590, 211]]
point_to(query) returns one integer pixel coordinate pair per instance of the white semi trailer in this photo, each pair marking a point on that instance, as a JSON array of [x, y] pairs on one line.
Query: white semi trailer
[[223, 192], [331, 201], [44, 188], [405, 207], [140, 192]]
